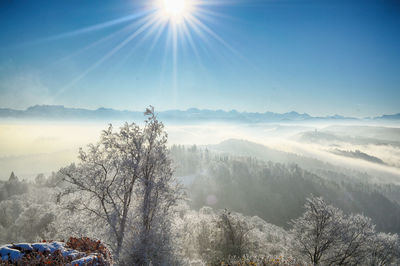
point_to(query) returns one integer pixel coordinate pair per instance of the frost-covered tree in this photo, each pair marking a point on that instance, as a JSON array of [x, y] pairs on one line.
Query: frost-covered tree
[[12, 187], [125, 176], [324, 235], [35, 223], [13, 178], [40, 180], [384, 249], [356, 231], [9, 211], [204, 239], [31, 216], [234, 239], [317, 231], [157, 193]]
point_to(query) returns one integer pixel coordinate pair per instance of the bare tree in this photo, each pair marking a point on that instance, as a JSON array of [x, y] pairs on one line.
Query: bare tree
[[157, 192], [120, 164], [317, 231], [221, 235], [234, 240], [326, 236], [355, 234], [384, 249]]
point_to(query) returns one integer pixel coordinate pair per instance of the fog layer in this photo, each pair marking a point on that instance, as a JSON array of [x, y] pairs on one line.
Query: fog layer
[[30, 148]]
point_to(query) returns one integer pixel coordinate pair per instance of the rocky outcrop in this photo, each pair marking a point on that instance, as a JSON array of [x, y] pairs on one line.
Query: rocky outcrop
[[76, 251]]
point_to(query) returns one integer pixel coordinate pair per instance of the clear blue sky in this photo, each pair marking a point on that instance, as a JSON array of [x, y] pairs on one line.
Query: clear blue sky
[[318, 56]]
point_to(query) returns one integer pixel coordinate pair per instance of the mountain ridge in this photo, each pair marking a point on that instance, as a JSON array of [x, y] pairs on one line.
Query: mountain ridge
[[102, 113]]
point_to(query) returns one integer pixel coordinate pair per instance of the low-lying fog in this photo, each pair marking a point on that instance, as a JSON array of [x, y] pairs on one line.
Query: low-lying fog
[[30, 148]]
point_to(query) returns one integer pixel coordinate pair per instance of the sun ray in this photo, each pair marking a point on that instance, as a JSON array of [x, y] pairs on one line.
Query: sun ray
[[183, 19], [211, 17], [175, 62], [98, 42], [188, 35], [155, 40], [214, 35], [199, 32], [108, 55], [92, 28], [155, 26]]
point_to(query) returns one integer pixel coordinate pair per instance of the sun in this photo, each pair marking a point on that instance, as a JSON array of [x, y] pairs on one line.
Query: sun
[[174, 7], [174, 10], [181, 23]]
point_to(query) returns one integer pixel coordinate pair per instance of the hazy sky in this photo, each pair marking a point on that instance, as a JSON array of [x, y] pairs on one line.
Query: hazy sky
[[321, 57]]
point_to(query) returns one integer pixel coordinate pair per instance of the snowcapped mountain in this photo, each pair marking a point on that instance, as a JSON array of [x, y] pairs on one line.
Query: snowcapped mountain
[[60, 112]]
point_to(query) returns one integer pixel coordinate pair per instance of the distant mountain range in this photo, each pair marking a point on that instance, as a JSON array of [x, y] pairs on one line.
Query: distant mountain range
[[389, 117], [59, 112]]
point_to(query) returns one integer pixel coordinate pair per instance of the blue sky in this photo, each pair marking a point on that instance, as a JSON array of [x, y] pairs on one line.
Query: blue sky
[[321, 57]]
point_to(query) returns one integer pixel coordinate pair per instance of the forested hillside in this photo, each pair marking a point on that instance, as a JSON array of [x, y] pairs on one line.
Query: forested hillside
[[276, 192]]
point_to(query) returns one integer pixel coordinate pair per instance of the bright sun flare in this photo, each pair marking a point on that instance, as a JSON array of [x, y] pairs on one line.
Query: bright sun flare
[[175, 10]]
